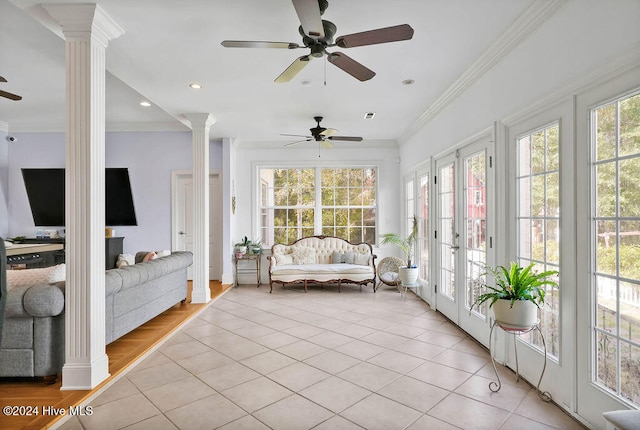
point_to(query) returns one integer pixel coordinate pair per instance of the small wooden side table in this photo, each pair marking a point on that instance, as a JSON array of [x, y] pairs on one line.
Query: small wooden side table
[[257, 258]]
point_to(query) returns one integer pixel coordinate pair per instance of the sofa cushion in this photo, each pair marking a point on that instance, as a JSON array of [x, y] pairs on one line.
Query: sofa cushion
[[310, 269]]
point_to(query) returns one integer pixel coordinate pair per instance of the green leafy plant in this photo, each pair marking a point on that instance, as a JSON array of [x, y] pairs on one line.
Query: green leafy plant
[[406, 244], [245, 242], [516, 283]]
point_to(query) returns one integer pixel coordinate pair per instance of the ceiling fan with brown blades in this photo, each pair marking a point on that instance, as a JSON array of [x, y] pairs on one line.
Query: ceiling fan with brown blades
[[322, 135], [317, 35], [7, 95]]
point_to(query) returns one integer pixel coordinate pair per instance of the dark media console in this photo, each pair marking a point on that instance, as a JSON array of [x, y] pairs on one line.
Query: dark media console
[[113, 248]]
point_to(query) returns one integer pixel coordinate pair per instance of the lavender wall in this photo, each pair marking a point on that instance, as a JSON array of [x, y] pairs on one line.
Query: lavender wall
[[150, 158]]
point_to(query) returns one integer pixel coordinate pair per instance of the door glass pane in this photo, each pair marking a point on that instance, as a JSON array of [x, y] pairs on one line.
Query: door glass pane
[[475, 220], [616, 247], [423, 229], [446, 231]]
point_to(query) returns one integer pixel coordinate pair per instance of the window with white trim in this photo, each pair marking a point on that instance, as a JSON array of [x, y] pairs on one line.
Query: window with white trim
[[538, 226], [299, 202], [616, 246]]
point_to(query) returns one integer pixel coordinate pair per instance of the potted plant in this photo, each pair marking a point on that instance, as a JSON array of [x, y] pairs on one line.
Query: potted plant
[[408, 274], [256, 246], [240, 248], [517, 295]]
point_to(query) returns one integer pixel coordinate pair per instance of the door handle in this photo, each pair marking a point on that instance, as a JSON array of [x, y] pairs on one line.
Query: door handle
[[182, 233], [455, 248]]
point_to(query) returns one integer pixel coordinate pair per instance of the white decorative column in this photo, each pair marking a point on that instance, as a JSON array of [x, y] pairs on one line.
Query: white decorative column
[[87, 30], [200, 125]]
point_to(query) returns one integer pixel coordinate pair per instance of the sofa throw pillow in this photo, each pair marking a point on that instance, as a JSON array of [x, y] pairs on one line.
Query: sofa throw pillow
[[304, 255], [337, 257], [150, 256], [283, 259], [361, 259], [163, 253], [349, 257], [125, 260], [30, 277]]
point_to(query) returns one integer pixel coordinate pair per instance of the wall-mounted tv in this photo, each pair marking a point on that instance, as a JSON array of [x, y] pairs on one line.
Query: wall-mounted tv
[[45, 191]]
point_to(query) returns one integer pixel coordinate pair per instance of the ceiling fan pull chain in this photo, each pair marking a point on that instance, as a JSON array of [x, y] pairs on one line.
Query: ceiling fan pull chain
[[325, 70]]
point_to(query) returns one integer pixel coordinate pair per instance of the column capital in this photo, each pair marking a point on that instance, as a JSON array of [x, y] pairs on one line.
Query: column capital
[[204, 120], [82, 21]]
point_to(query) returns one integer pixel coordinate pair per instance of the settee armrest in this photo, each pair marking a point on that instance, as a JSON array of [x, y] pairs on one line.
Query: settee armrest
[[35, 301]]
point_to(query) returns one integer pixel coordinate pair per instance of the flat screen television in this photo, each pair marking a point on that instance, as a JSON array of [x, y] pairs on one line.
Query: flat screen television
[[45, 191]]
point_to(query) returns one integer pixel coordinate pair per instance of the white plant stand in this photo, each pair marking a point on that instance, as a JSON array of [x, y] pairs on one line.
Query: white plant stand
[[404, 287], [518, 331]]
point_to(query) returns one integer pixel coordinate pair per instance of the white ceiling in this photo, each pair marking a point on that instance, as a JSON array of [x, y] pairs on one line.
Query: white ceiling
[[168, 44]]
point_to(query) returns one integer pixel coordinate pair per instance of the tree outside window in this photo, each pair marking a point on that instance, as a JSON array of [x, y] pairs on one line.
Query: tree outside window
[[292, 207]]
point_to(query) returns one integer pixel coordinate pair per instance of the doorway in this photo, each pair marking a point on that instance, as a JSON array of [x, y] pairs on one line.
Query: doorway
[[182, 219], [463, 184]]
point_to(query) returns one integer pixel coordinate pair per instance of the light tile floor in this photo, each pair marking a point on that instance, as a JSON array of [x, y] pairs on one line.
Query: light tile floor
[[321, 360]]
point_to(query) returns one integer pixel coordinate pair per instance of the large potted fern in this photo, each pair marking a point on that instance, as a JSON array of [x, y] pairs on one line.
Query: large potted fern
[[408, 274], [517, 295]]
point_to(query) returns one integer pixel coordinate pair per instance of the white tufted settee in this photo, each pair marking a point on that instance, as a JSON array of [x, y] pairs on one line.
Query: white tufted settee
[[322, 259]]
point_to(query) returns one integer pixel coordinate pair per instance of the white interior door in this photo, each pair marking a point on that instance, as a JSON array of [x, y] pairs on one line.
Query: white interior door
[[183, 219]]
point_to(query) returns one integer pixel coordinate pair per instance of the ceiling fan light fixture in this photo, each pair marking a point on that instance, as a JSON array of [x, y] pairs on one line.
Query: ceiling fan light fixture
[[318, 34], [195, 86]]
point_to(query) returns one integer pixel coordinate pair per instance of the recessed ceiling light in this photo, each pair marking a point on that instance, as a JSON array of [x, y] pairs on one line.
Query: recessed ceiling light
[[408, 82], [369, 115], [145, 103], [195, 86]]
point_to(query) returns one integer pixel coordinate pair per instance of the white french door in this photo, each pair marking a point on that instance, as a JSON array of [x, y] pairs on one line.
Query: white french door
[[447, 235], [463, 186]]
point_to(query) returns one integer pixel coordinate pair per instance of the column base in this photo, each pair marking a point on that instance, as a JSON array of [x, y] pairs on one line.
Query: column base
[[85, 376]]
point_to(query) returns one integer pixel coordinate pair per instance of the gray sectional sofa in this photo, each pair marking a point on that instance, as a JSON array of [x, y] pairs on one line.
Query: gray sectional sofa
[[32, 329]]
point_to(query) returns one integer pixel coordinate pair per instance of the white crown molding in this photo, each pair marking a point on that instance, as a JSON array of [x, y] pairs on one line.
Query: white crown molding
[[279, 144], [526, 24], [147, 126], [110, 127]]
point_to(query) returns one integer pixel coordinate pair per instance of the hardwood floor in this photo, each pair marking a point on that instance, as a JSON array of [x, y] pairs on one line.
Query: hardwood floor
[[32, 392]]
